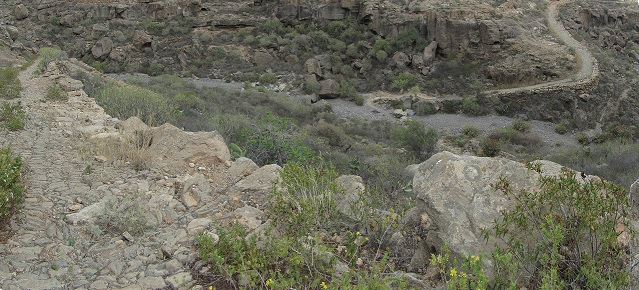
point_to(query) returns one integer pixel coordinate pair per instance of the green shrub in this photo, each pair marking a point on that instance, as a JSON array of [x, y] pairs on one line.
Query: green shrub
[[403, 81], [10, 85], [312, 87], [49, 54], [561, 128], [467, 274], [187, 101], [55, 93], [309, 190], [359, 100], [273, 26], [287, 255], [522, 125], [490, 146], [12, 116], [567, 233], [267, 79], [272, 141], [124, 101], [470, 131], [414, 137], [11, 188], [471, 107], [381, 55], [346, 89], [127, 215], [582, 138]]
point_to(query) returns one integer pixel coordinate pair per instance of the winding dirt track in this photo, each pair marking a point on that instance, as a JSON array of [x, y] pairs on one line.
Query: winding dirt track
[[450, 123], [588, 68]]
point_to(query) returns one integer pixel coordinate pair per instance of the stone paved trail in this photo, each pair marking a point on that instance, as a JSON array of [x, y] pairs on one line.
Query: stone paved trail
[[71, 232]]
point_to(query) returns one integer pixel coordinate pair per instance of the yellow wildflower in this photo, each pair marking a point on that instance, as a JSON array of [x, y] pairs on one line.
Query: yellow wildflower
[[463, 275], [269, 281], [323, 285], [453, 272], [357, 233]]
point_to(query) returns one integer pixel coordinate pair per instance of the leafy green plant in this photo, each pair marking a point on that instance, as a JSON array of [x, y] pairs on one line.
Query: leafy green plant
[[10, 85], [124, 101], [465, 274], [49, 54], [470, 131], [471, 107], [359, 100], [414, 137], [522, 125], [561, 128], [312, 87], [236, 151], [55, 93], [267, 79], [11, 188], [582, 138], [570, 231], [307, 200], [272, 140], [12, 116], [403, 81]]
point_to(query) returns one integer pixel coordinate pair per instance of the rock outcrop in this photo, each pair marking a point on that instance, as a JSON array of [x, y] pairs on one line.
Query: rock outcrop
[[458, 199]]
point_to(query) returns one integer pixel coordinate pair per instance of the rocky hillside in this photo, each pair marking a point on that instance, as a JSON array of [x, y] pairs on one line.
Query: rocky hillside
[[447, 49], [91, 221]]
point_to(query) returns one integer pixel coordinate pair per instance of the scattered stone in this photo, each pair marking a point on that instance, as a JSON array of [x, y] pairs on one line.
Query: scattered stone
[[141, 40], [249, 216], [128, 237], [261, 180], [151, 283], [198, 225], [75, 207], [87, 214], [242, 167], [21, 12], [313, 66]]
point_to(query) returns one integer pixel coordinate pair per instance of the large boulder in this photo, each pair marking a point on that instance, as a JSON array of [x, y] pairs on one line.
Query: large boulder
[[329, 89], [262, 58], [459, 199], [21, 12], [313, 66], [141, 40], [102, 48], [175, 147], [429, 52]]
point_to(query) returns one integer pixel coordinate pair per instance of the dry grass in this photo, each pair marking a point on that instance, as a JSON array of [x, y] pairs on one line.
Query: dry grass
[[120, 149]]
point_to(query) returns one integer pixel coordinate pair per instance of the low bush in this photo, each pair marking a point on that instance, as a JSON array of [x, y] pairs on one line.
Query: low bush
[[413, 136], [49, 54], [561, 128], [12, 116], [126, 215], [568, 233], [55, 93], [522, 125], [287, 255], [490, 146], [471, 107], [359, 100], [582, 138], [403, 81], [272, 141], [11, 188], [470, 131], [10, 85], [124, 101]]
